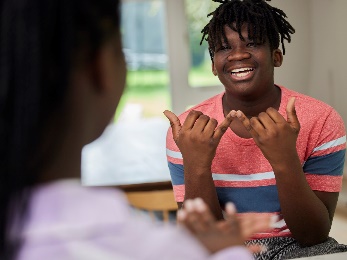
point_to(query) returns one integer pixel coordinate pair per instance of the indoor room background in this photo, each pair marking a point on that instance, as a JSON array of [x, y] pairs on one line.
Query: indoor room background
[[168, 69]]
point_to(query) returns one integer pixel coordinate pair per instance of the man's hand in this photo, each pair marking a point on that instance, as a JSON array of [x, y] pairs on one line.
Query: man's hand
[[198, 137], [275, 136]]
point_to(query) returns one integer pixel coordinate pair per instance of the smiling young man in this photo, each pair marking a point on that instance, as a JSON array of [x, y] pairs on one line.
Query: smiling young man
[[283, 152]]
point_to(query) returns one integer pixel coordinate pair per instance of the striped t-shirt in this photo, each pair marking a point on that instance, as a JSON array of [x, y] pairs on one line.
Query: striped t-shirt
[[243, 176]]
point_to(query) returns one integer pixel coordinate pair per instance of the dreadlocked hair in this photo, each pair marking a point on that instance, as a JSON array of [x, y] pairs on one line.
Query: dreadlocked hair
[[264, 22], [40, 41]]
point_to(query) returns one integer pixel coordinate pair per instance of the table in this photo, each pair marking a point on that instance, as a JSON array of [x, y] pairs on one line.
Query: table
[[164, 185], [130, 155]]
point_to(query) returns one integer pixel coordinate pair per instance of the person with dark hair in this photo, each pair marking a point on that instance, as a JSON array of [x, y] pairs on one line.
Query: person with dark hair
[[282, 154], [62, 73]]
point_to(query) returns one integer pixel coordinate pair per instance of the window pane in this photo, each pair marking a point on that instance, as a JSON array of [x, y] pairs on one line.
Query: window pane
[[200, 74], [133, 150], [144, 46]]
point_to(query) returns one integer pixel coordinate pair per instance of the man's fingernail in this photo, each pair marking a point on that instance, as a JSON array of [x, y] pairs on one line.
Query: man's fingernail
[[230, 208]]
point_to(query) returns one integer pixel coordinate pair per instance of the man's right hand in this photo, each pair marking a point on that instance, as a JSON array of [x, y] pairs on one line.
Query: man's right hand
[[198, 137]]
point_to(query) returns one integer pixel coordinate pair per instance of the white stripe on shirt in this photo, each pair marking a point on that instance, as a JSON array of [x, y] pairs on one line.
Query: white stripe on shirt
[[173, 154], [238, 177], [330, 144]]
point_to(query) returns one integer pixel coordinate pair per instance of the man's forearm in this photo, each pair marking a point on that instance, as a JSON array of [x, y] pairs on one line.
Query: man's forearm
[[305, 214], [199, 183]]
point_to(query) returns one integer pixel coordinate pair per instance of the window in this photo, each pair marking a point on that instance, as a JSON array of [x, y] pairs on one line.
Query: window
[[200, 74], [144, 46]]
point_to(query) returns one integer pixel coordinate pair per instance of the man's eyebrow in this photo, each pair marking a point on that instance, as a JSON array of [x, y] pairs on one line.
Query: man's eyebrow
[[254, 40]]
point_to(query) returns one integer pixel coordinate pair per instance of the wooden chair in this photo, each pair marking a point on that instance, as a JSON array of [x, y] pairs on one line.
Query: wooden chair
[[159, 200]]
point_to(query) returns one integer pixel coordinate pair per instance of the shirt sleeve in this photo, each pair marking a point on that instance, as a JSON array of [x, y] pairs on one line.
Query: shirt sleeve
[[175, 164], [324, 167]]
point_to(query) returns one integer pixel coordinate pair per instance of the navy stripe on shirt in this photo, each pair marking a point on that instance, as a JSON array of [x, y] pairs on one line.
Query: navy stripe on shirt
[[246, 199], [176, 172], [330, 164], [256, 199]]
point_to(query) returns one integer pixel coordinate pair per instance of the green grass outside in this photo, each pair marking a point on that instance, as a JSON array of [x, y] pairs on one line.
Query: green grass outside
[[148, 88]]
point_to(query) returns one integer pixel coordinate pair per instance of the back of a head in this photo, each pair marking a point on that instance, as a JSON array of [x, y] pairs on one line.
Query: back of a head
[[264, 23], [40, 40]]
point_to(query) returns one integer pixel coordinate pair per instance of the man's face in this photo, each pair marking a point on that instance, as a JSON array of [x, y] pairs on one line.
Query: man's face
[[245, 68]]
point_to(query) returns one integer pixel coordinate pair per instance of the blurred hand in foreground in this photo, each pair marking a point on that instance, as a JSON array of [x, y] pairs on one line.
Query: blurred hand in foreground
[[218, 235]]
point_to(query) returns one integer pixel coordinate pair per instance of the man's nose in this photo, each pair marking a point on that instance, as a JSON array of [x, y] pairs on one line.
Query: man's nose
[[238, 53]]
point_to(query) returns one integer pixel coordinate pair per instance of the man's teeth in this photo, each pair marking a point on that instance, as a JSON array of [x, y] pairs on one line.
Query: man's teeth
[[241, 72]]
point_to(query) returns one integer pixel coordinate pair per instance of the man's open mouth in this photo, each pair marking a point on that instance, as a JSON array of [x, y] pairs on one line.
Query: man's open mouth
[[242, 72]]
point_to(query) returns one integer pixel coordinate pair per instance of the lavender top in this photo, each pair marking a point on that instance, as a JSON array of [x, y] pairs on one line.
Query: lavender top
[[68, 221]]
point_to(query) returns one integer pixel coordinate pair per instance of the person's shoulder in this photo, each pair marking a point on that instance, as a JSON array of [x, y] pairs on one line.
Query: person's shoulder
[[70, 200], [314, 114], [65, 212], [307, 104]]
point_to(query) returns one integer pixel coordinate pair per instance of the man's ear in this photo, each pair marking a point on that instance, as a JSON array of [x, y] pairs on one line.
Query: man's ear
[[277, 57], [214, 70]]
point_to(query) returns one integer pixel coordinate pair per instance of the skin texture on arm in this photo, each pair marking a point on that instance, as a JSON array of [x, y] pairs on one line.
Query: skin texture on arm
[[197, 140], [307, 213]]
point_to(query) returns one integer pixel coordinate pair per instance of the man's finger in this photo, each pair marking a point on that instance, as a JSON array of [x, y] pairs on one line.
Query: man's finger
[[174, 122], [247, 123], [292, 118], [223, 127], [266, 120], [191, 119], [275, 115], [210, 127]]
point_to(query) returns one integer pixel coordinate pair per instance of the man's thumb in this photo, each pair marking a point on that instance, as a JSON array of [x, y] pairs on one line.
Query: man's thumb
[[292, 118], [174, 122]]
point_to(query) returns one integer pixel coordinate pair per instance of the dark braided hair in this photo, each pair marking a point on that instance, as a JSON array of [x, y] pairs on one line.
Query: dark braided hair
[[40, 41], [264, 23]]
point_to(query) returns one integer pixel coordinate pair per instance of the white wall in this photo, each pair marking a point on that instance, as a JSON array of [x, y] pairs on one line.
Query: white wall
[[315, 60], [293, 73], [328, 77]]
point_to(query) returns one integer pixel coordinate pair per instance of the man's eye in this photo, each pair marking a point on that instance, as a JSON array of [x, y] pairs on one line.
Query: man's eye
[[224, 48], [252, 44]]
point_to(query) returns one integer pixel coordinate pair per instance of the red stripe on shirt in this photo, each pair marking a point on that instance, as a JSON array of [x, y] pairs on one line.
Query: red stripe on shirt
[[324, 182], [179, 192], [242, 184]]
